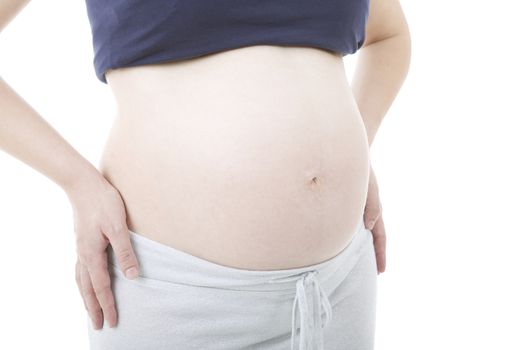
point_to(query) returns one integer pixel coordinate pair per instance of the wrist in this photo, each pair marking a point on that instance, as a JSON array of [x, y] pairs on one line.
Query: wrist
[[84, 177]]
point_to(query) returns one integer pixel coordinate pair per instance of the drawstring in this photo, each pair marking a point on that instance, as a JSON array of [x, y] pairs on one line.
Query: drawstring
[[311, 324]]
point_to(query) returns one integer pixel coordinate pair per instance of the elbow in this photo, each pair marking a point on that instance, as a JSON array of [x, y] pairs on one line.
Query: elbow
[[396, 45], [403, 45]]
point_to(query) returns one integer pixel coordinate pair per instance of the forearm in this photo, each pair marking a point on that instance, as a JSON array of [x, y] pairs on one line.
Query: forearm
[[25, 135], [381, 69]]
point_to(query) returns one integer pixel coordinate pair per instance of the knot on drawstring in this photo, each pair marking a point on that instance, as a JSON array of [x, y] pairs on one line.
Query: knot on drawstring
[[310, 312]]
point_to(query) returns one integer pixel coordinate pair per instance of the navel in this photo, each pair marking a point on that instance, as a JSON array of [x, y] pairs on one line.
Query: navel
[[315, 182]]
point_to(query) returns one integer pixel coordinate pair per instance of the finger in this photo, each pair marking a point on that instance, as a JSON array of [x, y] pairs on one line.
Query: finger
[[373, 203], [121, 244], [372, 211], [79, 282], [92, 305], [380, 244], [101, 282]]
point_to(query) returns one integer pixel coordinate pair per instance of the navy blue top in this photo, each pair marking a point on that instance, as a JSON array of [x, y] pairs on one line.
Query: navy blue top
[[136, 32]]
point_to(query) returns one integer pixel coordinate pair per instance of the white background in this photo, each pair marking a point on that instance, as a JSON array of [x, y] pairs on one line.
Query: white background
[[448, 157]]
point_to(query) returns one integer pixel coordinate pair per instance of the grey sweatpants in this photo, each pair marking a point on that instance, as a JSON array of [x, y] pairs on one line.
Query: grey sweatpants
[[183, 302]]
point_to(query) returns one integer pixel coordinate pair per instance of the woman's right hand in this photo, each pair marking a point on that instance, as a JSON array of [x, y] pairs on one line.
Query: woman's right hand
[[100, 219]]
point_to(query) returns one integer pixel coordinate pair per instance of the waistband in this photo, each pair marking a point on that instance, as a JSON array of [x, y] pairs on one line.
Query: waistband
[[165, 263]]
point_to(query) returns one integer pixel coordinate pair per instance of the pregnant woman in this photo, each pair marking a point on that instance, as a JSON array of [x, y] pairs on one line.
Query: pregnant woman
[[228, 209]]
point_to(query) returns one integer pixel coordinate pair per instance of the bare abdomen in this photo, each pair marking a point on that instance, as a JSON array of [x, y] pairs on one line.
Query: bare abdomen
[[254, 158]]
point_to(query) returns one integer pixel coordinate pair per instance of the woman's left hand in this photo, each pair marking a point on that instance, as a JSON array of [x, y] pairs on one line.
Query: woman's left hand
[[374, 221]]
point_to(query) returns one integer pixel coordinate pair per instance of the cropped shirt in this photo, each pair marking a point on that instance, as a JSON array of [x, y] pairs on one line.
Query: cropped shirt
[[129, 33]]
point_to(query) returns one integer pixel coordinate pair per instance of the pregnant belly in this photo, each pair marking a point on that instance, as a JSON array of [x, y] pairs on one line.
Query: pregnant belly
[[261, 171]]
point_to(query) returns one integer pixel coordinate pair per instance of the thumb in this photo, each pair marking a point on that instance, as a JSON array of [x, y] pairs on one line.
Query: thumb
[[121, 245]]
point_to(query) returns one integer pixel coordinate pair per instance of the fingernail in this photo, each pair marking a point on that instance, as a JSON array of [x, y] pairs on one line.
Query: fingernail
[[132, 272], [370, 224]]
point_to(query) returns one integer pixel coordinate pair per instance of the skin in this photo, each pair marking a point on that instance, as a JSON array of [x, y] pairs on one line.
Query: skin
[[292, 178], [98, 207]]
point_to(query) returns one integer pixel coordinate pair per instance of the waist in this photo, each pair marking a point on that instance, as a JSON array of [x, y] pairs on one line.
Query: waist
[[257, 74], [254, 167]]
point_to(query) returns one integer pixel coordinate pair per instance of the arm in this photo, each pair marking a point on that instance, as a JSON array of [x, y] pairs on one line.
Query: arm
[[381, 70], [382, 63], [99, 212], [25, 135]]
